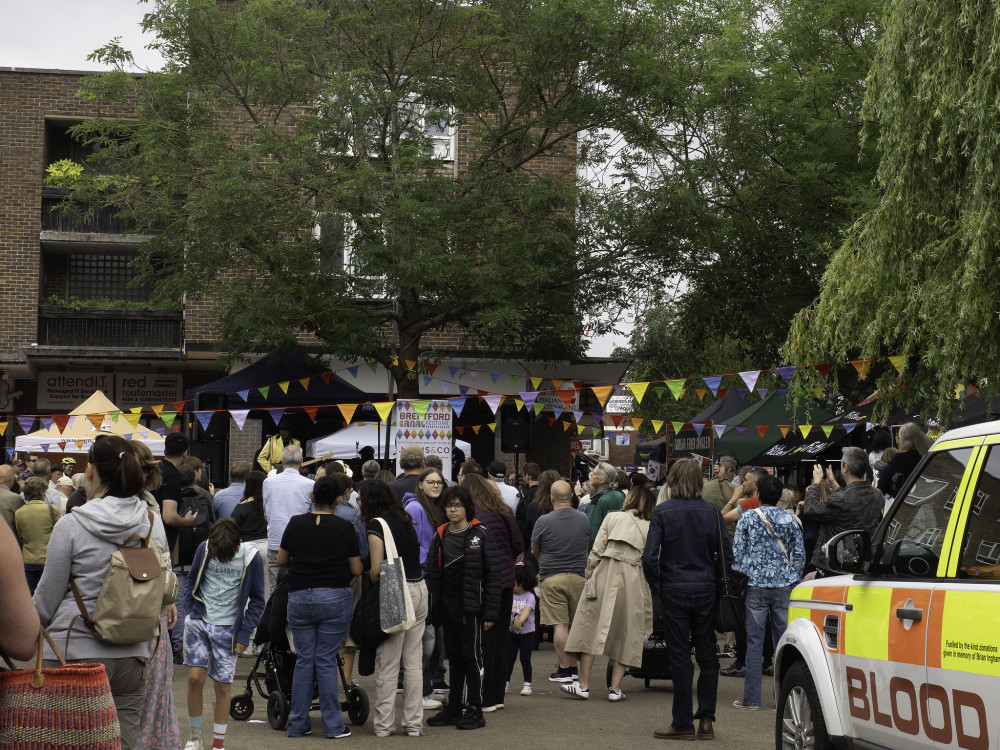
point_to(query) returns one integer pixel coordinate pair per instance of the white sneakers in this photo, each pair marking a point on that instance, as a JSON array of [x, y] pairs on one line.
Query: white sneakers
[[430, 704], [193, 744], [573, 690], [526, 690], [615, 695]]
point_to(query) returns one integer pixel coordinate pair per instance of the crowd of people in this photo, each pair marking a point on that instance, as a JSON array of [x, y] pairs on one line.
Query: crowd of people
[[603, 563]]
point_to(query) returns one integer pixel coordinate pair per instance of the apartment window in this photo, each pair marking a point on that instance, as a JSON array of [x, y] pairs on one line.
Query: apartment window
[[104, 277], [338, 236]]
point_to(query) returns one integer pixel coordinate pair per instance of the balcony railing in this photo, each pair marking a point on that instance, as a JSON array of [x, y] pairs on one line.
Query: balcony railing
[[99, 220], [110, 328]]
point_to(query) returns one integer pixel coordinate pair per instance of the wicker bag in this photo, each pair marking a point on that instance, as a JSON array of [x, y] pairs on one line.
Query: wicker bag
[[57, 707]]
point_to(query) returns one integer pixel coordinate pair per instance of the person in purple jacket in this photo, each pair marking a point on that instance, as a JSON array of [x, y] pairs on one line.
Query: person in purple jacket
[[496, 516]]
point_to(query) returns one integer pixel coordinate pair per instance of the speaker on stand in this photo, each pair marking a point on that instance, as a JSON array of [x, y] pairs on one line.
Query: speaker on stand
[[515, 433]]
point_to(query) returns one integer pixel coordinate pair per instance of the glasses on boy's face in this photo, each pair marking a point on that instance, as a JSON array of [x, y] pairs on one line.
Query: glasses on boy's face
[[454, 506]]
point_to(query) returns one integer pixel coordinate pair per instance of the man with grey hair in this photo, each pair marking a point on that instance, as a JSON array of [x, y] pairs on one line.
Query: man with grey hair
[[369, 469], [604, 496], [225, 500], [856, 505], [286, 494]]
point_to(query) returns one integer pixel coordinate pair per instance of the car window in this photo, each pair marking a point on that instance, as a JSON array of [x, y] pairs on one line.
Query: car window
[[915, 532], [981, 536]]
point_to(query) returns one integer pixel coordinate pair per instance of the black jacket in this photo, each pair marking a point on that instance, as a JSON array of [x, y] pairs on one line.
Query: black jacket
[[480, 574]]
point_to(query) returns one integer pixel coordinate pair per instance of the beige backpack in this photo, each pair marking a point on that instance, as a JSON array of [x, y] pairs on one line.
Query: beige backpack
[[137, 586]]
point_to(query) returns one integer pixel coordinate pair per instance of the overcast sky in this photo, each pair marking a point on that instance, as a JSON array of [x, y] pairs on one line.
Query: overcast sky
[[59, 34]]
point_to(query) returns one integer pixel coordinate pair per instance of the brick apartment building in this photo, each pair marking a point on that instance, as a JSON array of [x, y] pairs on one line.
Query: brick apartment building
[[73, 324]]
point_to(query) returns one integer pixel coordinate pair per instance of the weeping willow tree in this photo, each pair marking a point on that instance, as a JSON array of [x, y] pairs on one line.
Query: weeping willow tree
[[918, 275]]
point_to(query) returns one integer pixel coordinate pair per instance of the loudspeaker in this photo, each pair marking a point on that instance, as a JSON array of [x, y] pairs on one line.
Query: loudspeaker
[[515, 429]]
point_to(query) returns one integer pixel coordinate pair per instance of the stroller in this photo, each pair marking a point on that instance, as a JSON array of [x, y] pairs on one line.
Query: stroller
[[272, 671], [655, 658]]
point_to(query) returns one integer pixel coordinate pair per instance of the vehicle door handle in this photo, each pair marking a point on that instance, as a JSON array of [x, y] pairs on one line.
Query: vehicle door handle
[[910, 614]]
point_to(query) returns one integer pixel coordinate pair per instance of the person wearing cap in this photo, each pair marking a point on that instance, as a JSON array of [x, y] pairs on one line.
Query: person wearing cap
[[497, 471], [68, 466], [270, 454], [411, 461], [64, 486]]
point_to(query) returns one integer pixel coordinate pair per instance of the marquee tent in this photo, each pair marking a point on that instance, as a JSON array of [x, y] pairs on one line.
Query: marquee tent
[[347, 442], [80, 430], [743, 440]]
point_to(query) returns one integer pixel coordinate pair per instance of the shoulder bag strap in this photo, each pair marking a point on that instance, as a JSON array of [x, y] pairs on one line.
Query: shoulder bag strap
[[390, 543], [767, 525], [52, 513], [723, 573]]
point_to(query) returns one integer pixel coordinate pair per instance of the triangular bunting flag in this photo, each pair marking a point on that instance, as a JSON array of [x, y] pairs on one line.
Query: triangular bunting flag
[[276, 415], [659, 391], [457, 404], [849, 427], [827, 429], [311, 412], [460, 429], [782, 392], [719, 429], [239, 416], [476, 428], [445, 386], [168, 418], [861, 365], [761, 429], [514, 379], [636, 421], [784, 429], [742, 392], [493, 401], [384, 409], [348, 411], [566, 425], [420, 407], [566, 397], [304, 382], [538, 406], [602, 393], [698, 427], [283, 386], [244, 394], [494, 376], [750, 378], [264, 391], [204, 417], [3, 428], [805, 429], [616, 419], [61, 421], [823, 369], [678, 426], [535, 382], [712, 381], [676, 387], [722, 392], [62, 446], [79, 444], [701, 393], [372, 365], [577, 416], [157, 409], [114, 416], [431, 367], [638, 390], [411, 364], [762, 392], [528, 397], [428, 379], [179, 406], [556, 384], [97, 420], [740, 429], [354, 371], [786, 373], [518, 403], [133, 419], [492, 426], [657, 425], [897, 362]]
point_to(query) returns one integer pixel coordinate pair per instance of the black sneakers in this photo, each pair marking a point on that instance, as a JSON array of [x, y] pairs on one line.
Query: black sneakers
[[564, 674], [736, 670], [471, 719], [447, 716]]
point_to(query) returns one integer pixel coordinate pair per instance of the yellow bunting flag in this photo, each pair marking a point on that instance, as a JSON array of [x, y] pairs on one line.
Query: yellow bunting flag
[[384, 409], [535, 382], [638, 390], [784, 429], [3, 427], [136, 410], [348, 411], [79, 444], [657, 425], [156, 409], [304, 382], [805, 429], [283, 386], [395, 361], [519, 403], [411, 364], [133, 419], [676, 387], [492, 426], [897, 362], [602, 392]]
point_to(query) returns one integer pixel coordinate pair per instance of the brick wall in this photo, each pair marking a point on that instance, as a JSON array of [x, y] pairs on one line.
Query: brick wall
[[244, 445]]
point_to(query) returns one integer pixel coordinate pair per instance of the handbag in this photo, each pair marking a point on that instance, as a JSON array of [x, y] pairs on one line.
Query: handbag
[[730, 608], [395, 605], [50, 707]]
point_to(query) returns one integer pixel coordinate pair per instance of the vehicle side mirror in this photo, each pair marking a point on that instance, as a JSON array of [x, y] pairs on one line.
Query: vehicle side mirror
[[848, 552]]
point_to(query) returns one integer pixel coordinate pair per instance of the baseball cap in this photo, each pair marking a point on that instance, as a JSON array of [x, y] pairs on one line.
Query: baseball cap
[[64, 482], [497, 469]]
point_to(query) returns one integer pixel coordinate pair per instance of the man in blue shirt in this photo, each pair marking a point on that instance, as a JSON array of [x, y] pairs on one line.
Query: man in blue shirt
[[769, 550], [225, 500]]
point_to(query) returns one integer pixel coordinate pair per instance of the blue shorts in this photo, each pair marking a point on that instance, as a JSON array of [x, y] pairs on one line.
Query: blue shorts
[[210, 647]]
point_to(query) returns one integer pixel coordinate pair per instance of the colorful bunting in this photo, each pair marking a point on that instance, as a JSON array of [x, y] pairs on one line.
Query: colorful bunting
[[701, 393], [762, 392], [787, 373], [457, 404], [384, 409], [264, 391], [638, 390], [276, 415], [827, 429], [61, 421], [204, 417], [97, 420], [862, 365], [348, 411], [239, 416], [493, 401], [528, 397], [311, 412], [678, 426], [784, 429], [823, 369], [761, 429], [168, 418], [284, 386], [420, 407], [805, 429], [713, 381], [719, 429], [897, 362], [750, 378], [133, 419], [244, 394], [676, 388], [602, 393], [849, 427]]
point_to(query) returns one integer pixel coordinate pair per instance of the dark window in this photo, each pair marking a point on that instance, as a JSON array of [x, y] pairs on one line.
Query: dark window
[[104, 277]]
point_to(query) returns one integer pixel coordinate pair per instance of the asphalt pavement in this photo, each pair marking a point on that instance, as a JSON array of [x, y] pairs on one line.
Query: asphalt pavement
[[547, 720]]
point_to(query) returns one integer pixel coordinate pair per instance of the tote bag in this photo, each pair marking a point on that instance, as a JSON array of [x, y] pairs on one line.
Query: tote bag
[[395, 606], [57, 707], [730, 606]]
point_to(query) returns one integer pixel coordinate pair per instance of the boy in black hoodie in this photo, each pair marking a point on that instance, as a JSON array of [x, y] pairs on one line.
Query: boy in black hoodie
[[463, 579]]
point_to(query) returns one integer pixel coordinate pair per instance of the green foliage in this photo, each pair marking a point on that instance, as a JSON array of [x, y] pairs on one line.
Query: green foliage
[[64, 173], [280, 117], [917, 275], [78, 304]]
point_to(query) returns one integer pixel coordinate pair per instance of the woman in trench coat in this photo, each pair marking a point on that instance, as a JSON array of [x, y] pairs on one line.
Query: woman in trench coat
[[616, 609]]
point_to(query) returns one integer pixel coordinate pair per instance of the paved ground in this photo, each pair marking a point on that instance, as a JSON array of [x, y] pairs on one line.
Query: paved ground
[[546, 720]]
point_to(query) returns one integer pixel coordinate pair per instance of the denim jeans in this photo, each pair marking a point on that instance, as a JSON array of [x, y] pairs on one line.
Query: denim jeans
[[762, 603], [177, 634], [318, 619], [687, 619]]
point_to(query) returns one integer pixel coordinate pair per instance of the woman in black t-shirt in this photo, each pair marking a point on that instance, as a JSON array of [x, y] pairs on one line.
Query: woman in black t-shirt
[[249, 512], [321, 551], [379, 503]]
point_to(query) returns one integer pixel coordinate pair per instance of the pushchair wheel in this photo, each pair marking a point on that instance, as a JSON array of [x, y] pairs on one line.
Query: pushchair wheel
[[357, 706], [241, 707], [277, 710]]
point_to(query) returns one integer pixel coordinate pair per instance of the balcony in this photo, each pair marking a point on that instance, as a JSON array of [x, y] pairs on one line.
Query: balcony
[[108, 328], [99, 220]]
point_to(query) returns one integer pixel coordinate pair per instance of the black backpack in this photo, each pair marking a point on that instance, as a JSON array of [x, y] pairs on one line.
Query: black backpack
[[189, 537]]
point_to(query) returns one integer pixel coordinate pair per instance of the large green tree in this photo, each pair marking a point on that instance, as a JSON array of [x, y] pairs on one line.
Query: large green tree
[[291, 162], [756, 170], [918, 274]]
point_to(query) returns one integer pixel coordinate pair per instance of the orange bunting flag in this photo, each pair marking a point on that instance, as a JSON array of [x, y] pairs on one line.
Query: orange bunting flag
[[784, 429], [701, 393], [566, 397], [862, 365], [897, 362], [156, 410], [79, 444], [638, 390], [602, 393], [348, 411], [62, 446], [325, 377], [384, 408], [3, 427], [411, 364], [805, 429], [475, 428], [567, 425], [761, 429], [460, 430], [657, 425], [97, 420], [304, 382], [179, 406], [283, 386], [636, 421], [556, 385]]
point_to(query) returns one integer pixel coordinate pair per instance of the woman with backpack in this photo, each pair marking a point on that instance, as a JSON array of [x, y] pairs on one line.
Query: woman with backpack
[[80, 552]]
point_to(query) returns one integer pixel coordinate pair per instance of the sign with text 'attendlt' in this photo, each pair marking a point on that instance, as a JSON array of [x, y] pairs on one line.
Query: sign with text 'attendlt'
[[430, 429], [65, 390]]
